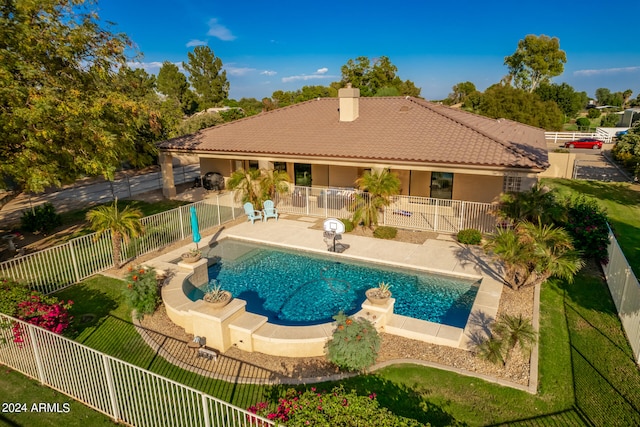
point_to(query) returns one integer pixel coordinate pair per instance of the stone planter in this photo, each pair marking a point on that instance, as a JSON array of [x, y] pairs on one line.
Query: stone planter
[[219, 303], [373, 296], [190, 258]]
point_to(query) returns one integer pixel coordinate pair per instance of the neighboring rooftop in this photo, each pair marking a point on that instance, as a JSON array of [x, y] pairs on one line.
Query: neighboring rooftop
[[393, 129]]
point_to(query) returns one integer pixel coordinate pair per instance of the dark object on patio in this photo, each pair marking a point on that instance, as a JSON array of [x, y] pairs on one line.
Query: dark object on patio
[[213, 181], [207, 354], [401, 212]]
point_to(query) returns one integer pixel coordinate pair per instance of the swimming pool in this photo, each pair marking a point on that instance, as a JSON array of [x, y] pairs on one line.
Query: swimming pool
[[300, 288]]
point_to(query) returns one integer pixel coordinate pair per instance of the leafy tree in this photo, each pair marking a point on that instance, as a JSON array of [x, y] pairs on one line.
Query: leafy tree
[[593, 113], [379, 187], [173, 84], [567, 99], [626, 95], [123, 224], [500, 101], [62, 113], [610, 120], [534, 252], [583, 123], [537, 59], [538, 205], [627, 150], [207, 77], [273, 182], [370, 78], [198, 121], [606, 97], [250, 106], [587, 224], [460, 92]]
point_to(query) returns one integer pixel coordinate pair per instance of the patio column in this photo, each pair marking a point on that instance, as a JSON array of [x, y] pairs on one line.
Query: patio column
[[168, 184]]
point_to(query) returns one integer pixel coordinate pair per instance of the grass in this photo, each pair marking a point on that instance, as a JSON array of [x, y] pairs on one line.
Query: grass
[[426, 394], [622, 204], [16, 388]]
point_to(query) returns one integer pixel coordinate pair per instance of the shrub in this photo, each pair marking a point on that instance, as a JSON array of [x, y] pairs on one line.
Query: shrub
[[383, 232], [610, 120], [337, 408], [583, 122], [348, 224], [354, 345], [508, 332], [12, 293], [470, 236], [42, 218], [593, 113], [587, 225], [142, 291]]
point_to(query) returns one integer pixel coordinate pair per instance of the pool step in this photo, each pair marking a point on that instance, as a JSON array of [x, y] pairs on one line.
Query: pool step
[[242, 329], [423, 330]]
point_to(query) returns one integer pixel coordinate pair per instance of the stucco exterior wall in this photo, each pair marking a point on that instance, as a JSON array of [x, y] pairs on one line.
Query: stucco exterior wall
[[561, 165], [420, 183], [320, 175], [342, 176], [403, 175], [476, 188]]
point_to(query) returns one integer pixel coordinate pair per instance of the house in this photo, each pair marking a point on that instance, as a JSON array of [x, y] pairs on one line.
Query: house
[[436, 151]]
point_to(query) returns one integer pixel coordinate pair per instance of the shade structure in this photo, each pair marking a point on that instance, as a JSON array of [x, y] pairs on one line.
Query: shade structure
[[194, 226]]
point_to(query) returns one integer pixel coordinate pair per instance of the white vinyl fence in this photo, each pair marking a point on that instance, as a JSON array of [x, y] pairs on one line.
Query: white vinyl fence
[[420, 213], [625, 291], [122, 391], [60, 266]]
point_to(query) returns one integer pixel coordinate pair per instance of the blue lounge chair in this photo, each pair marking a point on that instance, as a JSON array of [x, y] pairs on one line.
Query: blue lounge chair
[[252, 214], [269, 210]]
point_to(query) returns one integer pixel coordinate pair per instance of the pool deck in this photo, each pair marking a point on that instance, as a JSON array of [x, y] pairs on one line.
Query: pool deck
[[441, 255]]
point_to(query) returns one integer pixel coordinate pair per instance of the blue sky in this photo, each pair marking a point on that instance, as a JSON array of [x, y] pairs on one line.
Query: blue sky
[[284, 45]]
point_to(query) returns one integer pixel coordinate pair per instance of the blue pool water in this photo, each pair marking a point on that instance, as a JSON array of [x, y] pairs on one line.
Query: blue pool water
[[299, 288]]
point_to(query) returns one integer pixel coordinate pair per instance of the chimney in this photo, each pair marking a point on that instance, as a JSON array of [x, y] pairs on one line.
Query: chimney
[[349, 107]]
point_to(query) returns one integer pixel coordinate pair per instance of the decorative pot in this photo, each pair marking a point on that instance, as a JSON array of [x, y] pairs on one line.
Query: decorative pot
[[374, 298], [190, 258], [224, 300]]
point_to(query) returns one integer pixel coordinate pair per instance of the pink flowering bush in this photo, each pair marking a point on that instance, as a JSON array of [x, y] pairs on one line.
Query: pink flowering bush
[[33, 307], [336, 408]]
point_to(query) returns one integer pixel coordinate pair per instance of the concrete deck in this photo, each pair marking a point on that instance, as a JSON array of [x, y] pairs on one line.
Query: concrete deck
[[442, 255]]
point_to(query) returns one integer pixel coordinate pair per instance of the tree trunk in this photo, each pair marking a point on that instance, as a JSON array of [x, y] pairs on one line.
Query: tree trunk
[[116, 243]]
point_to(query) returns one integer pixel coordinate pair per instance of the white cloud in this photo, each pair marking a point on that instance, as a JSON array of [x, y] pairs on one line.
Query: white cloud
[[147, 66], [321, 73], [606, 71], [238, 71], [196, 42], [152, 67], [219, 31], [268, 73]]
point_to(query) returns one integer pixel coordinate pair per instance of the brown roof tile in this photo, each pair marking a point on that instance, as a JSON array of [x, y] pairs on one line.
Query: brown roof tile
[[387, 129]]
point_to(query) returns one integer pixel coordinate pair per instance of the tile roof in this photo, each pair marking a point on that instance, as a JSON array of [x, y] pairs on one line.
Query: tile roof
[[402, 129]]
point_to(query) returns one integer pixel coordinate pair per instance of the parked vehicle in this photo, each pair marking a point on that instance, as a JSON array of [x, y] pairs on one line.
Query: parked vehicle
[[621, 133], [596, 144]]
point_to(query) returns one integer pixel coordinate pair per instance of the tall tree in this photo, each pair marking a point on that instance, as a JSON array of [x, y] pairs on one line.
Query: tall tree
[[173, 84], [372, 77], [500, 101], [61, 113], [537, 59], [569, 101], [207, 77], [461, 91], [380, 186]]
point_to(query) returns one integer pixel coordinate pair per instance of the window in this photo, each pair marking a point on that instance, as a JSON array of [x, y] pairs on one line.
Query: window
[[280, 166], [511, 184], [253, 164]]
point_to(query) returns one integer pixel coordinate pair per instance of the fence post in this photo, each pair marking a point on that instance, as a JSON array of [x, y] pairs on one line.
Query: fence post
[[307, 197], [233, 203], [74, 260], [36, 351], [218, 204], [110, 387], [461, 216], [181, 223], [435, 216], [205, 411]]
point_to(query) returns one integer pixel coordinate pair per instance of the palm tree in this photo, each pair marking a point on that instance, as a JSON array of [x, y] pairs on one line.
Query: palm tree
[[379, 187], [533, 252], [123, 224], [247, 183], [515, 330], [539, 204], [273, 182]]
